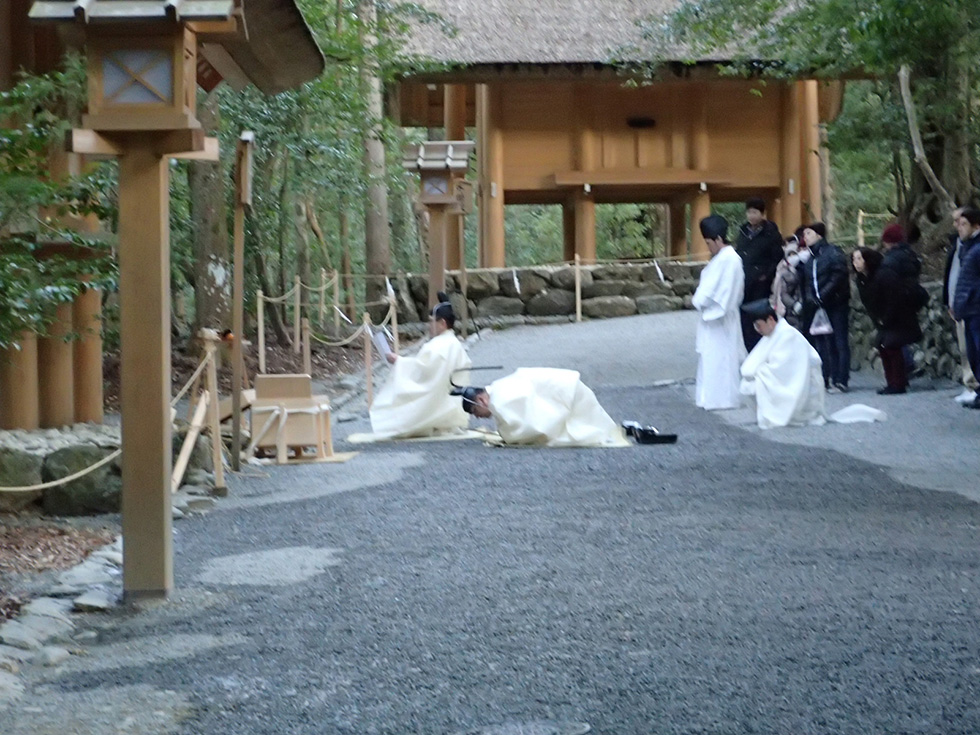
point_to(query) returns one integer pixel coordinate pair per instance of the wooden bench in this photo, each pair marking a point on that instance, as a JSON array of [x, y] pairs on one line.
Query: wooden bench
[[286, 416]]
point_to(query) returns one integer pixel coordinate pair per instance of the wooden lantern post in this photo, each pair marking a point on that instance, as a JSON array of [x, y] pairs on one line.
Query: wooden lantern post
[[437, 161]]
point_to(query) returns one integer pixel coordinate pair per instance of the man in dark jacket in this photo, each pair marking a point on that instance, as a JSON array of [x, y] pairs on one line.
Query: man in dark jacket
[[950, 278], [760, 246], [826, 286], [903, 261], [966, 300]]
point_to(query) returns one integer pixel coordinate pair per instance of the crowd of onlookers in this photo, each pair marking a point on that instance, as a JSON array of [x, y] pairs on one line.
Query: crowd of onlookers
[[807, 279]]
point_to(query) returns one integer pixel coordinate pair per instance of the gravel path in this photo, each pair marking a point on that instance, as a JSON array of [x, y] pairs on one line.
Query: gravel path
[[739, 581]]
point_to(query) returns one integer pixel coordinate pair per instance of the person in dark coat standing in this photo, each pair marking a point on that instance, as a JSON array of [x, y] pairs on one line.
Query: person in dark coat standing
[[885, 294], [950, 278], [900, 257], [826, 285], [966, 300], [760, 246]]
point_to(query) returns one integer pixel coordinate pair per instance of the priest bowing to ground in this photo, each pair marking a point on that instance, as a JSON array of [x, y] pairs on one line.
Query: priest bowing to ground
[[415, 400], [782, 372], [720, 346]]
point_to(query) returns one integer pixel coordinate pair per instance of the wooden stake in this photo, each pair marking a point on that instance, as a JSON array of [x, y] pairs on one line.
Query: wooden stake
[[307, 350], [187, 448], [578, 287], [368, 358], [214, 421], [297, 311], [260, 323]]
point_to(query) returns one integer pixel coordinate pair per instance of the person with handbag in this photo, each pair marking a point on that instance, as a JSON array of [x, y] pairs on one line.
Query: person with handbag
[[826, 297]]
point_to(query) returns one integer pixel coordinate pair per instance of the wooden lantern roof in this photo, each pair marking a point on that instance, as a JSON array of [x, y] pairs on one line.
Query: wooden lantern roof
[[269, 45]]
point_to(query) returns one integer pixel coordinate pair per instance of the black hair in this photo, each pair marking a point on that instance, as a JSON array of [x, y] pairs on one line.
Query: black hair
[[469, 396], [756, 203], [819, 227], [971, 215], [444, 310]]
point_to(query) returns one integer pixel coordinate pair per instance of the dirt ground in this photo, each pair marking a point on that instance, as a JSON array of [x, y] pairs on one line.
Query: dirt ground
[[32, 545]]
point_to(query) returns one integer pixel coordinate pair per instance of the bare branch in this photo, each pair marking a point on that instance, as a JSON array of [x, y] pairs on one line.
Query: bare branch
[[917, 146]]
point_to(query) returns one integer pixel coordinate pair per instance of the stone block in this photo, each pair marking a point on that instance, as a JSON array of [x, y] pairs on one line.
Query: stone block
[[95, 600], [658, 304], [17, 635], [617, 272], [481, 284], [97, 492], [529, 282], [684, 288], [647, 288], [679, 271], [555, 302], [500, 306], [564, 278], [19, 469], [607, 307], [604, 288]]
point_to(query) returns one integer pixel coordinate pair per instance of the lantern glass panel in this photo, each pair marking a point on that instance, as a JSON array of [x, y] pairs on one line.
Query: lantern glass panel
[[137, 76]]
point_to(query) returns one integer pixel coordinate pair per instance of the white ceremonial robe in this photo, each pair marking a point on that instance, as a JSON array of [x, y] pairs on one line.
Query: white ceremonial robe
[[553, 408], [719, 339], [783, 373], [415, 400]]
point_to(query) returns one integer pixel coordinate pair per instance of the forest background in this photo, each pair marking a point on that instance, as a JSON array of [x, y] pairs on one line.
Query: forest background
[[326, 150]]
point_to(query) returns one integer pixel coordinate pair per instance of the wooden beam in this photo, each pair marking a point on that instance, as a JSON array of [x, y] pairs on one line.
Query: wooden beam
[[189, 140], [211, 152], [91, 143], [210, 30], [652, 177]]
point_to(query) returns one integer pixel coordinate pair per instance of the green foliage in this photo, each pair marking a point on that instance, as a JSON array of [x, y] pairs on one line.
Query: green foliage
[[33, 204]]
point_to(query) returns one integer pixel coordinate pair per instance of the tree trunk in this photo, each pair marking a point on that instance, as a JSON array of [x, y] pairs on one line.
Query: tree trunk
[[377, 248], [209, 220], [285, 277]]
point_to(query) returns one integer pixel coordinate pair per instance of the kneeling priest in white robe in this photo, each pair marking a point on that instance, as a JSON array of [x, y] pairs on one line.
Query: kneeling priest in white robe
[[546, 407], [782, 372], [720, 345], [415, 401]]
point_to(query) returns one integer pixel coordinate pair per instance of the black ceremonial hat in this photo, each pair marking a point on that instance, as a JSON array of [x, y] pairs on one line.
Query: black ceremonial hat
[[758, 309], [443, 309]]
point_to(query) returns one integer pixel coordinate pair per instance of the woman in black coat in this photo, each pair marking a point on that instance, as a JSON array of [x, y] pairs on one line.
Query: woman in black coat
[[888, 298]]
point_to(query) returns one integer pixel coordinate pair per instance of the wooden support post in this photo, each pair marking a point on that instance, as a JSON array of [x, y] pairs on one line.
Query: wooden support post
[[393, 305], [214, 419], [323, 296], [700, 139], [578, 287], [307, 349], [490, 140], [437, 252], [260, 325], [791, 185], [700, 208], [678, 229], [368, 358], [56, 384], [144, 311], [19, 401], [811, 138], [585, 246], [454, 124], [336, 303], [297, 313], [87, 356]]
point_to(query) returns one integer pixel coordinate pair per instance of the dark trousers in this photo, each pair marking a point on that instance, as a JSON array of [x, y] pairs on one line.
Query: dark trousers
[[971, 329], [893, 362], [835, 348]]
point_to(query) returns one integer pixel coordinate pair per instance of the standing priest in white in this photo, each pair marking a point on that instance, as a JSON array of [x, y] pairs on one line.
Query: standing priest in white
[[546, 407], [719, 340], [415, 401], [782, 372]]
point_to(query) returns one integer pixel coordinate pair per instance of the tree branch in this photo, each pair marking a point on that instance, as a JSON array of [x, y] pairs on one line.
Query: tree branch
[[917, 146]]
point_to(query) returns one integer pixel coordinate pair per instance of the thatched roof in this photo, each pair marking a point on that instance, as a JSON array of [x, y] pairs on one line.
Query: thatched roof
[[533, 31]]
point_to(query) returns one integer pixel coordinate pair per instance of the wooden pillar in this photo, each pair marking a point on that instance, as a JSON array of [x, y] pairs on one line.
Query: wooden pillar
[[490, 141], [6, 48], [19, 407], [144, 308], [56, 386], [700, 149], [568, 230], [791, 213], [585, 228], [438, 224], [677, 147], [700, 208], [454, 122], [811, 138], [87, 356], [678, 229]]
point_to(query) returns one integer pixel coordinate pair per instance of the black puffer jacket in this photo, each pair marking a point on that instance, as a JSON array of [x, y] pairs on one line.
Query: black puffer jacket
[[885, 294], [832, 287], [760, 251], [903, 260], [966, 300]]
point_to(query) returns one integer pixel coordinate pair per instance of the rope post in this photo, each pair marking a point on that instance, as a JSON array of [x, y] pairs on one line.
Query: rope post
[[323, 295], [260, 324], [860, 233], [297, 310], [368, 359], [393, 305], [336, 303], [214, 421], [578, 287], [307, 350]]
